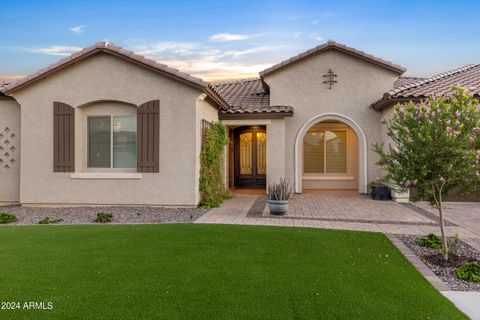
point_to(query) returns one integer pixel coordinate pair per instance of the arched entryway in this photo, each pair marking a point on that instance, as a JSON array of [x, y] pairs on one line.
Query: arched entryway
[[330, 153]]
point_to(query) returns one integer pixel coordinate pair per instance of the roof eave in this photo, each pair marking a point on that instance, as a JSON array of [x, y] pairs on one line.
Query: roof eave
[[383, 103], [87, 52], [331, 45], [254, 115]]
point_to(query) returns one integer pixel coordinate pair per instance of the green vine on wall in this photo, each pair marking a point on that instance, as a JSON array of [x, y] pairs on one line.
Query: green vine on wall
[[212, 186]]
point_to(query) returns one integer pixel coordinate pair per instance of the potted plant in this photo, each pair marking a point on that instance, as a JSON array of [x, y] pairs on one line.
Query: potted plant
[[278, 195]]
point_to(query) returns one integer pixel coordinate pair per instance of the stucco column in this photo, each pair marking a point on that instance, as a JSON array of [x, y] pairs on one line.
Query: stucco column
[[275, 150]]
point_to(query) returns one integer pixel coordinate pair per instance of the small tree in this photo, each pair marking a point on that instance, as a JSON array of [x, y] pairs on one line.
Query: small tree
[[435, 147]]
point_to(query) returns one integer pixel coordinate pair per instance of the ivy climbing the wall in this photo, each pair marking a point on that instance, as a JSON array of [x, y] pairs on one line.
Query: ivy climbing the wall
[[212, 186]]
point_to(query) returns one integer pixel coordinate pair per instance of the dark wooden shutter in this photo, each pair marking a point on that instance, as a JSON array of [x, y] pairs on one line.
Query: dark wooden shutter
[[63, 137], [148, 136]]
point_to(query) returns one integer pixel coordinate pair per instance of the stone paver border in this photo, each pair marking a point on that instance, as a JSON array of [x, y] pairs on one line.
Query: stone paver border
[[434, 280]]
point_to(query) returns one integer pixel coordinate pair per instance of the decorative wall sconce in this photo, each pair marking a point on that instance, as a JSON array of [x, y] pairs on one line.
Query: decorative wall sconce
[[330, 78]]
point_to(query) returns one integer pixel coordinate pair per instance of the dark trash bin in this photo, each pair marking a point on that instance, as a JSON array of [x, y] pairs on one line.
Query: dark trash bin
[[380, 192]]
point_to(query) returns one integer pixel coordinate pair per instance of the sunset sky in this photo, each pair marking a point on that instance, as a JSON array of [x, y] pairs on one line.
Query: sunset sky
[[234, 39]]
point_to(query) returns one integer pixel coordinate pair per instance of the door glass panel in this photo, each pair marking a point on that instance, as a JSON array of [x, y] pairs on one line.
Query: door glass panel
[[261, 153], [313, 152], [336, 148], [99, 142], [124, 142], [246, 147]]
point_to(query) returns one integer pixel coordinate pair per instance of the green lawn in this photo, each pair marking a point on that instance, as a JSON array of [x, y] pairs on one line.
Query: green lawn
[[211, 271]]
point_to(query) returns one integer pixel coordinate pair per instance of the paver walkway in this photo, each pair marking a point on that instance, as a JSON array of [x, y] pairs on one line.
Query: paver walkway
[[356, 212]]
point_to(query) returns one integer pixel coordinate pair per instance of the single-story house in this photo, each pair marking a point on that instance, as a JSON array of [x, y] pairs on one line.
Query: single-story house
[[106, 126]]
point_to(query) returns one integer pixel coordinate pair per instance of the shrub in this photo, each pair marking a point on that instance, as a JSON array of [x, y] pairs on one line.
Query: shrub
[[7, 218], [280, 191], [470, 271], [48, 221], [212, 186], [103, 217], [431, 241]]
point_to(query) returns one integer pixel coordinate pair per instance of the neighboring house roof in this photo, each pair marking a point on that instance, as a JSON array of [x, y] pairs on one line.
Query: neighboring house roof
[[119, 52], [403, 81], [332, 45], [248, 97], [441, 84]]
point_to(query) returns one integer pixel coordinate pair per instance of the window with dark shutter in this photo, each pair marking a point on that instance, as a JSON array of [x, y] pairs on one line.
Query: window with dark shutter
[[63, 137], [148, 136]]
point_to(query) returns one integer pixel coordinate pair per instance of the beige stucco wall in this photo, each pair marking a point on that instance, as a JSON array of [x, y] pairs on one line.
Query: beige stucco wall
[[204, 111], [102, 78], [9, 150], [359, 84]]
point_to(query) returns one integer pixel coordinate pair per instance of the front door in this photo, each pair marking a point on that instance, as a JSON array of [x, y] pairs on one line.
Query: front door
[[250, 157]]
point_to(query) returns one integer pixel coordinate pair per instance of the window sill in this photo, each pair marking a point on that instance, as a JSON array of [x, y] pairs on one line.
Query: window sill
[[329, 178], [107, 175]]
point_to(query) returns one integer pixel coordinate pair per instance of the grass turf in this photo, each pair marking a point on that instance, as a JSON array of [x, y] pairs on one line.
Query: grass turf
[[211, 271]]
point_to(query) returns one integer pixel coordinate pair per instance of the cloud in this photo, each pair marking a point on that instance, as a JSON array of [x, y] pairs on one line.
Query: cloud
[[315, 36], [223, 37], [254, 50], [206, 61], [78, 30], [56, 50], [218, 70]]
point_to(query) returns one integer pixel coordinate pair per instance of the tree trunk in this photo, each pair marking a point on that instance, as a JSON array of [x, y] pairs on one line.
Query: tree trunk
[[442, 228]]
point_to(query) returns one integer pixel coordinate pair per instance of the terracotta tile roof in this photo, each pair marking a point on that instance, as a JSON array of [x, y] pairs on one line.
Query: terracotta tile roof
[[403, 81], [441, 84], [332, 45], [112, 49], [241, 93], [247, 96]]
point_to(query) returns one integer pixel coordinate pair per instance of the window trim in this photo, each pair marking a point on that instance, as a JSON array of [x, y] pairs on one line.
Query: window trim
[[111, 167], [325, 174]]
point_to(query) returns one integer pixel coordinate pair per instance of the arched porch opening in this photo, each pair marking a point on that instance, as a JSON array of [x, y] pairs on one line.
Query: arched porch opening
[[331, 153]]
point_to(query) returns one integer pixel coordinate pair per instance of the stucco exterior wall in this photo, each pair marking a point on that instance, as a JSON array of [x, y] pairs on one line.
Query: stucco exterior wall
[[275, 150], [359, 84], [9, 150], [204, 111], [103, 77]]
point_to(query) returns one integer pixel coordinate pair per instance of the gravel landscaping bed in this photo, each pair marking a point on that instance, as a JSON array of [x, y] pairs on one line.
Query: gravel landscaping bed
[[122, 215], [445, 271]]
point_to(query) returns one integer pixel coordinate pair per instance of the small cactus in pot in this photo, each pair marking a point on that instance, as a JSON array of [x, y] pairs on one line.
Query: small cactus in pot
[[278, 195]]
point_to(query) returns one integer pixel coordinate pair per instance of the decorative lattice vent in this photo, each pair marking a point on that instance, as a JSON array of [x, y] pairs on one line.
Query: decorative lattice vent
[[8, 149]]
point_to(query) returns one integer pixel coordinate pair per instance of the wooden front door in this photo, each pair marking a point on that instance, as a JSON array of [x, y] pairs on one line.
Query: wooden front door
[[250, 157]]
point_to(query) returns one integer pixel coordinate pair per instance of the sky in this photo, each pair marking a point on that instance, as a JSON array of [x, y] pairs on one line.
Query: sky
[[236, 39]]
